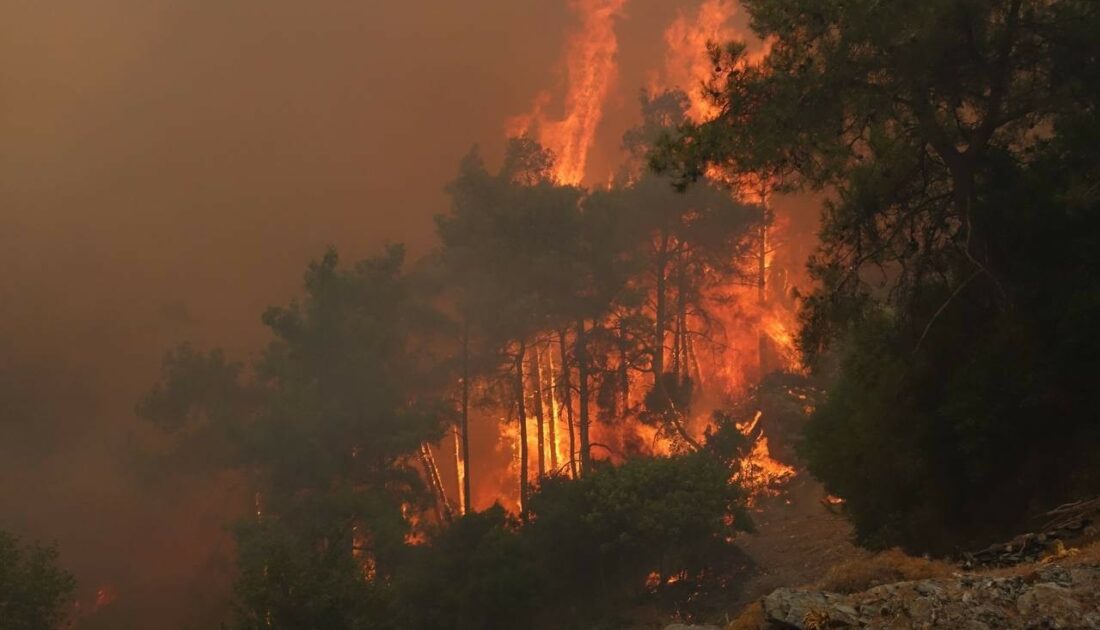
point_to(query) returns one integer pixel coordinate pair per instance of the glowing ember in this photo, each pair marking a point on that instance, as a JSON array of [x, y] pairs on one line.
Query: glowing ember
[[833, 503], [105, 595], [415, 518], [760, 473]]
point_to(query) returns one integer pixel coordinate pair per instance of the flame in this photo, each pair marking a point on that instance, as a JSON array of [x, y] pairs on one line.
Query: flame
[[689, 67], [361, 550], [687, 63], [417, 535], [748, 328], [760, 473], [591, 68], [781, 336]]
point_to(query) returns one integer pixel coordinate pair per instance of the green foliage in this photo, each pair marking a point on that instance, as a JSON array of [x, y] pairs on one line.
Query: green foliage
[[649, 514], [957, 271], [306, 568], [204, 403], [993, 418], [349, 381], [510, 242], [35, 593], [588, 548], [324, 429], [479, 572]]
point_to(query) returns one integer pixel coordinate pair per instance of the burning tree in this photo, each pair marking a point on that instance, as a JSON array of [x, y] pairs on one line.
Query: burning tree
[[508, 244]]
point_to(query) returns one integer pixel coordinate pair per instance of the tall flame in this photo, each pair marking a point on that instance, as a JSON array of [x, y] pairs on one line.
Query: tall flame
[[687, 62], [688, 65], [591, 68], [748, 327]]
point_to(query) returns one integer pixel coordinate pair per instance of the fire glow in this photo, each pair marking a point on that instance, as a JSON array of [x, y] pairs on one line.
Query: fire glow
[[591, 69], [749, 327]]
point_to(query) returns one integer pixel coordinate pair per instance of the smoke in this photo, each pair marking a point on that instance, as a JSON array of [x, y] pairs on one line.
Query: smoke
[[168, 169]]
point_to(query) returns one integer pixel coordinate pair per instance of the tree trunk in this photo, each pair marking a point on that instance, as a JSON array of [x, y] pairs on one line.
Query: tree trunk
[[459, 464], [680, 353], [555, 412], [567, 400], [582, 374], [693, 358], [427, 460], [462, 447], [521, 410], [535, 374], [762, 286], [661, 316], [624, 367]]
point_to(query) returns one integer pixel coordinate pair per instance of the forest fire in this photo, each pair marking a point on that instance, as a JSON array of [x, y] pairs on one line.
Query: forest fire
[[739, 330], [747, 285]]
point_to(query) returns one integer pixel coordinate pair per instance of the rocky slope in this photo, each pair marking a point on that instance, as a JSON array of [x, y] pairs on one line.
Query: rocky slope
[[1050, 596]]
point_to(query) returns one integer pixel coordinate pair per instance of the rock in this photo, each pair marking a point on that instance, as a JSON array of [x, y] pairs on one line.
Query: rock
[[1050, 597], [790, 607], [680, 626], [1051, 605]]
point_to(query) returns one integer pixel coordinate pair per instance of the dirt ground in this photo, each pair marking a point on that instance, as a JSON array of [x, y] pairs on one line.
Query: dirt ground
[[797, 540]]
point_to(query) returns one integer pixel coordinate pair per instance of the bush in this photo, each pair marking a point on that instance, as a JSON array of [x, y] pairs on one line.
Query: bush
[[887, 567], [476, 573], [589, 547], [35, 594]]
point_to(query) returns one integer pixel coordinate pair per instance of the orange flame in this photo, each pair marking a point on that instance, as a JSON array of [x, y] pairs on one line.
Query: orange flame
[[749, 329], [591, 68], [688, 65], [687, 62], [759, 472]]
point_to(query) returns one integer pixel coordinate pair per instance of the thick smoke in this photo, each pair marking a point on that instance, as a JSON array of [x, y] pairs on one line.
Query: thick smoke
[[167, 171]]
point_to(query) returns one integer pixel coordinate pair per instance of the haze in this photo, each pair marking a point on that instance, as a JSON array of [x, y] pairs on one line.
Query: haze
[[167, 168]]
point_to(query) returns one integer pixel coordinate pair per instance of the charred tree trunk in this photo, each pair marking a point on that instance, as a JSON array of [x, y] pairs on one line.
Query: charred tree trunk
[[462, 447], [459, 465], [521, 411], [567, 401], [661, 314], [535, 374], [679, 354], [582, 375], [693, 358], [546, 381], [762, 285], [624, 367], [427, 460]]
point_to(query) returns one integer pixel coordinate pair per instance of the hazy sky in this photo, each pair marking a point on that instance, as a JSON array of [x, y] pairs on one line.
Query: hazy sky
[[168, 167]]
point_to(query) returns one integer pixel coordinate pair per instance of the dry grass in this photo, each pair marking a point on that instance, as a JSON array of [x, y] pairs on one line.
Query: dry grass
[[1067, 557], [751, 618], [1089, 554], [883, 568]]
